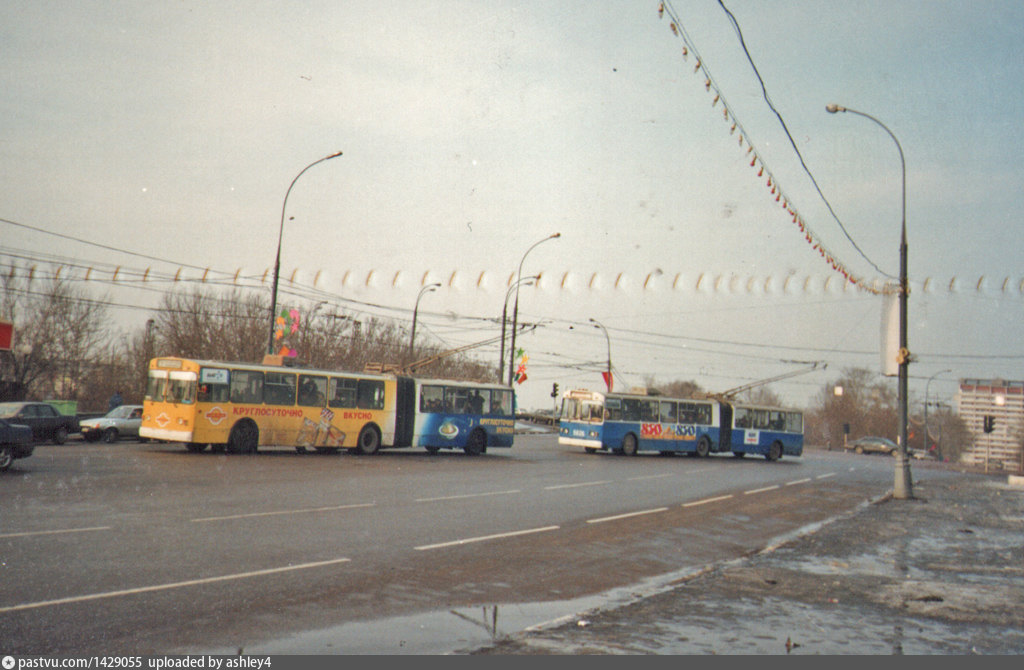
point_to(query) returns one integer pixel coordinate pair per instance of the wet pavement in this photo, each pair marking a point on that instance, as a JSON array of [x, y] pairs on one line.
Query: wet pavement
[[942, 574]]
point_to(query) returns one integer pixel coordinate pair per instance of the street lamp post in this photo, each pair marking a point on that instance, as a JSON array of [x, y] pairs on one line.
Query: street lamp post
[[927, 438], [412, 336], [902, 486], [515, 308], [277, 261], [526, 281], [608, 339]]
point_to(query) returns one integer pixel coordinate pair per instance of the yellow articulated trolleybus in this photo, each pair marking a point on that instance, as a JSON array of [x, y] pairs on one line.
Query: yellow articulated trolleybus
[[239, 407]]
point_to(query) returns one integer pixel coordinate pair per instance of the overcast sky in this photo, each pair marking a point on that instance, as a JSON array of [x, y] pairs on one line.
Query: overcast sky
[[472, 130]]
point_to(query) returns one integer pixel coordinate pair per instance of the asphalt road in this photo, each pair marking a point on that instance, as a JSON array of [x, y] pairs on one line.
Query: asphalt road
[[146, 549]]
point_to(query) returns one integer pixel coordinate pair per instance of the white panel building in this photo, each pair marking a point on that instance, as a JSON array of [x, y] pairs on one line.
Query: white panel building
[[1003, 401]]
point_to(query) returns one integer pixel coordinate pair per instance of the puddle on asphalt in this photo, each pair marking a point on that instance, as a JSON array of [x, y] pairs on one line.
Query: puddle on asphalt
[[433, 633], [456, 630]]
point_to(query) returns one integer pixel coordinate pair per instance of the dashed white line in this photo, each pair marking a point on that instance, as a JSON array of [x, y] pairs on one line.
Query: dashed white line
[[798, 481], [484, 538], [29, 534], [761, 490], [469, 495], [826, 475], [166, 587], [307, 510], [638, 479], [628, 515], [705, 501], [33, 533], [574, 486]]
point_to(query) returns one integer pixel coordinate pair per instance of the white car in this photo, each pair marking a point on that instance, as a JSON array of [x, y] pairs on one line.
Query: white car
[[123, 421]]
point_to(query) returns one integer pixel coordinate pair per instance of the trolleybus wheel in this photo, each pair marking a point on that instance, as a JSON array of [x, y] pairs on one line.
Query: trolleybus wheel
[[774, 452], [629, 446], [476, 444], [369, 441], [244, 438], [703, 447]]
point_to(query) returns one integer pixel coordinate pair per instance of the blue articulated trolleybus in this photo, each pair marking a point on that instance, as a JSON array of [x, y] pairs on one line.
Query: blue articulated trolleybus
[[629, 423]]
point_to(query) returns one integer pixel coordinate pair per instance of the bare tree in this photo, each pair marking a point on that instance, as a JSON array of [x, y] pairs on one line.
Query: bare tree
[[59, 331], [218, 325], [866, 404]]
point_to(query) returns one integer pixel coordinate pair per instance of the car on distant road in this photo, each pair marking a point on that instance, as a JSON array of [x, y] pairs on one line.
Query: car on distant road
[[922, 455], [122, 421], [46, 422], [15, 442], [873, 445]]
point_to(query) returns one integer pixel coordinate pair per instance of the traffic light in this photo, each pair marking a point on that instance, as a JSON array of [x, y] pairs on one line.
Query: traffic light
[[554, 390], [990, 424]]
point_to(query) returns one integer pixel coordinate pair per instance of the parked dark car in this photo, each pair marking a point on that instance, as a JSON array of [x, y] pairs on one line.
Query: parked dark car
[[15, 442], [46, 422], [122, 421]]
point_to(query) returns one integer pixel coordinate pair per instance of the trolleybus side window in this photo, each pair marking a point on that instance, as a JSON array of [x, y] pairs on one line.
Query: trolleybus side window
[[370, 394], [432, 399], [649, 410], [279, 388], [343, 392], [501, 402], [246, 386], [613, 409], [630, 409], [668, 412], [312, 390], [214, 385], [456, 400]]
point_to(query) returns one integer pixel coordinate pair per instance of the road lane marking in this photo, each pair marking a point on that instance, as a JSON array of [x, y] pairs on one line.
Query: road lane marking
[[166, 587], [469, 495], [826, 475], [627, 515], [282, 512], [32, 533], [798, 481], [573, 486], [484, 538], [767, 488], [637, 479], [705, 501]]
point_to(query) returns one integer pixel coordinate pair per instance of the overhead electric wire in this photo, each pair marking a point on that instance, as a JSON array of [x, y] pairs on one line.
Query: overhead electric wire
[[792, 142]]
